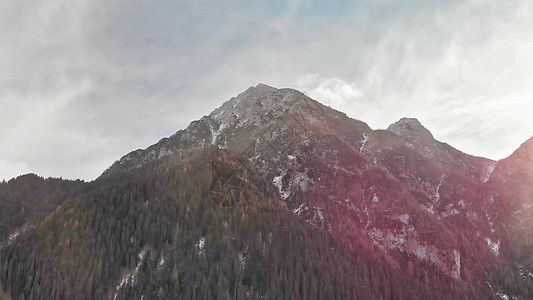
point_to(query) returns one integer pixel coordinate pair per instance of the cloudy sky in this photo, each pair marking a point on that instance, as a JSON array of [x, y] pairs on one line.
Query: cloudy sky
[[84, 82]]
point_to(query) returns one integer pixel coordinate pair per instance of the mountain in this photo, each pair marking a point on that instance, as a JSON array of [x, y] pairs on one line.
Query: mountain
[[274, 195]]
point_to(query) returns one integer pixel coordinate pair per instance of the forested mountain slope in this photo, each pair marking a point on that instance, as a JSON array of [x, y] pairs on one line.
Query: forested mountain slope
[[276, 196]]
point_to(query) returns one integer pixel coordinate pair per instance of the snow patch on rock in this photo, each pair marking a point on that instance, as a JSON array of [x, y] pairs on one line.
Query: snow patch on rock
[[363, 142], [15, 234], [302, 181], [450, 211], [215, 133], [437, 190], [456, 271], [298, 210], [200, 245], [130, 278], [375, 199], [493, 246], [406, 241], [161, 262], [164, 152], [461, 203], [404, 218], [278, 182], [490, 169], [502, 295]]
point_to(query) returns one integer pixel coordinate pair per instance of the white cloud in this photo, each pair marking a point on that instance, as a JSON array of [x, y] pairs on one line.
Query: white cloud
[[10, 170], [331, 91], [84, 82], [468, 81]]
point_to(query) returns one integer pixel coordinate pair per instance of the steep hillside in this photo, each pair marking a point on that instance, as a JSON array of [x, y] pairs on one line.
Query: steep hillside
[[274, 195]]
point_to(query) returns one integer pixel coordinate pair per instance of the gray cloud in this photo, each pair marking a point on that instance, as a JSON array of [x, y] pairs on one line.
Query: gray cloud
[[85, 82]]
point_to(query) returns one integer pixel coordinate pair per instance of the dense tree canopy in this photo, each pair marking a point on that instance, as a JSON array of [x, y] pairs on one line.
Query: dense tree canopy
[[156, 233]]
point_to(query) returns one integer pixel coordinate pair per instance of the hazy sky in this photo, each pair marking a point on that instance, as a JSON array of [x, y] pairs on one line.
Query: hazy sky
[[84, 82]]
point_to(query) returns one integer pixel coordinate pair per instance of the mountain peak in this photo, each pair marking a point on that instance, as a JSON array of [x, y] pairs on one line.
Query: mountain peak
[[259, 89], [251, 94], [410, 128], [264, 86]]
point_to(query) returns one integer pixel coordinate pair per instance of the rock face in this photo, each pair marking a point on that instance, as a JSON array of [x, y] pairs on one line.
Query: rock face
[[410, 129], [246, 110], [241, 119], [414, 197], [510, 186]]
